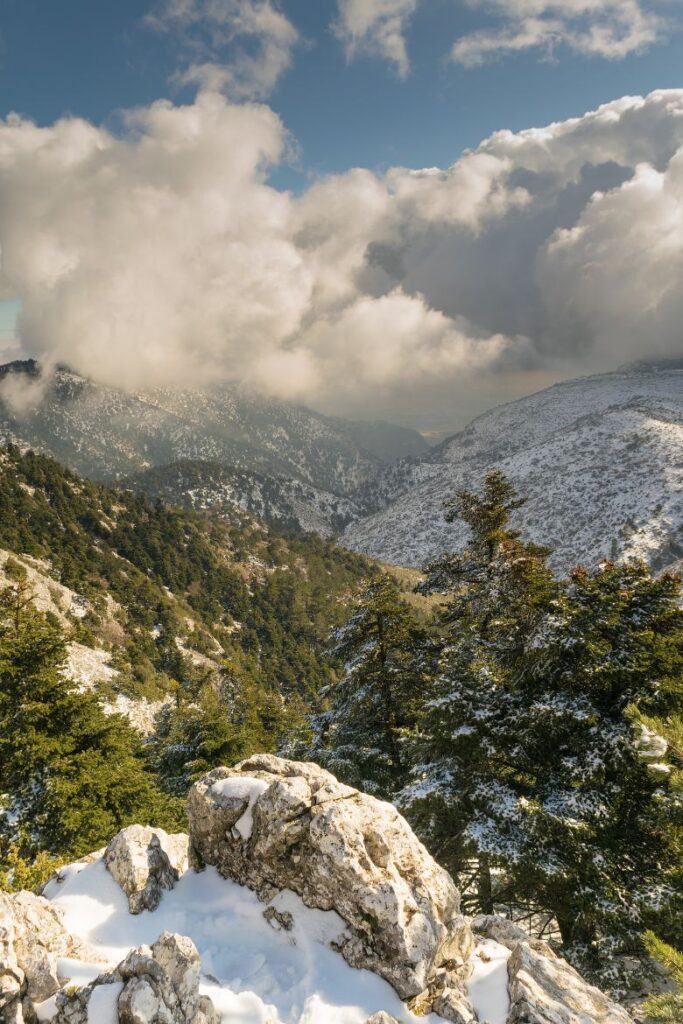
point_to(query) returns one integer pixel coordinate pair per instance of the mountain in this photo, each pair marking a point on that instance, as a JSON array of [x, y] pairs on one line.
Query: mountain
[[107, 434], [156, 599], [283, 501], [600, 460]]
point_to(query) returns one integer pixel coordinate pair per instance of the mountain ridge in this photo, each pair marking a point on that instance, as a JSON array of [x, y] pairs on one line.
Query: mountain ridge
[[599, 459]]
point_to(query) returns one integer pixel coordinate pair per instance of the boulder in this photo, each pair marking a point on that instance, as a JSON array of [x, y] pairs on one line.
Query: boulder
[[544, 989], [157, 985], [32, 939], [145, 861], [12, 977], [381, 1018], [274, 824]]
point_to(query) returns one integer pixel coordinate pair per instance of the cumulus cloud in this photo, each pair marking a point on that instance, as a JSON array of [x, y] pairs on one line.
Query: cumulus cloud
[[376, 27], [162, 255], [217, 34], [605, 28]]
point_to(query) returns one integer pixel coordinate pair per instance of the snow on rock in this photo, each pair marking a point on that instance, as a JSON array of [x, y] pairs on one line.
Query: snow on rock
[[339, 850], [103, 1003], [253, 973], [34, 944], [488, 983], [341, 884], [241, 789], [145, 861]]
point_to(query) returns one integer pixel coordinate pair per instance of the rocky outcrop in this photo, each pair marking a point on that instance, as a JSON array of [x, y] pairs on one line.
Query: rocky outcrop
[[32, 941], [545, 990], [273, 824], [145, 861], [157, 985]]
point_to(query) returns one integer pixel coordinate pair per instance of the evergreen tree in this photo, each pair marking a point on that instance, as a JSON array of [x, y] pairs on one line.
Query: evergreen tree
[[496, 590], [592, 811], [361, 735], [71, 775]]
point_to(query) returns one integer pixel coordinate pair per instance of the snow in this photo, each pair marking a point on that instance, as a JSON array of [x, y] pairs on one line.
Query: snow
[[600, 460], [488, 983], [254, 973], [244, 788], [102, 1005]]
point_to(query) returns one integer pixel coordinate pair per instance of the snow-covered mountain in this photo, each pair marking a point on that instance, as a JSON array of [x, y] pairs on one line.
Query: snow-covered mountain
[[600, 460], [107, 434], [284, 501]]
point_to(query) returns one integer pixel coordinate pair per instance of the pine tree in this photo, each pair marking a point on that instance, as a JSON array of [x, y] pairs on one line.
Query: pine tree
[[71, 775], [361, 735], [593, 811], [496, 590]]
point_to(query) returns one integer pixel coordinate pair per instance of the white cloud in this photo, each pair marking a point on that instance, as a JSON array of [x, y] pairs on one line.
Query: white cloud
[[605, 28], [163, 255], [376, 27], [218, 33]]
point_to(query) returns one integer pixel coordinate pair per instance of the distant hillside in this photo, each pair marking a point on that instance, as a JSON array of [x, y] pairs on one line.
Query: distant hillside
[[600, 460], [107, 434], [154, 596]]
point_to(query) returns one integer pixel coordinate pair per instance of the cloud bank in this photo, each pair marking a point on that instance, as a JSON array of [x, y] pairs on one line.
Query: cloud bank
[[162, 255]]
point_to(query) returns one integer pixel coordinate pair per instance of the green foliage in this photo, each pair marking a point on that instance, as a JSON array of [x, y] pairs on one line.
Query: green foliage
[[372, 705], [72, 775], [17, 872], [530, 758], [666, 1008]]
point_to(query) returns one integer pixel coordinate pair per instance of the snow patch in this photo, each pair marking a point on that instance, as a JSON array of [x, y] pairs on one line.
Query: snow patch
[[102, 1005], [244, 788], [488, 984], [253, 973]]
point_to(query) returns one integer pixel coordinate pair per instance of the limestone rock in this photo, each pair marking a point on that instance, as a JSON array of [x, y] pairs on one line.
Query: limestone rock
[[381, 1018], [545, 990], [12, 977], [157, 985], [145, 861], [507, 933], [271, 823], [32, 939]]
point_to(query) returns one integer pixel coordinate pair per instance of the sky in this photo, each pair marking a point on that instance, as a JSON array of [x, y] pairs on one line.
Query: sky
[[412, 209]]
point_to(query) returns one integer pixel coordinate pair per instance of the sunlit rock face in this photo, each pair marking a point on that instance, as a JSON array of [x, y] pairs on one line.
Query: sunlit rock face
[[274, 824]]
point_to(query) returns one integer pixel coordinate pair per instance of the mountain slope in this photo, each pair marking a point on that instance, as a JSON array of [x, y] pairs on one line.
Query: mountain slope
[[283, 501], [155, 599], [107, 434], [600, 460]]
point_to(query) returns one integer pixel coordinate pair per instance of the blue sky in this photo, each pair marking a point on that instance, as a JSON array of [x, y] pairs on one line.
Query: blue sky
[[93, 59], [155, 250]]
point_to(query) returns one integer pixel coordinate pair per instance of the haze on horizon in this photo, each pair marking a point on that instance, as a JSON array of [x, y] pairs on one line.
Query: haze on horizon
[[238, 231]]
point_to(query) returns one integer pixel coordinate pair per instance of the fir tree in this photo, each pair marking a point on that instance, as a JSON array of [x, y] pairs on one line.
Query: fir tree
[[593, 813], [496, 590], [361, 735], [71, 775]]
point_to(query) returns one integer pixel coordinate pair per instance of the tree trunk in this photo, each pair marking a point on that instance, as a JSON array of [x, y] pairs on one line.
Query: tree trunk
[[484, 886]]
